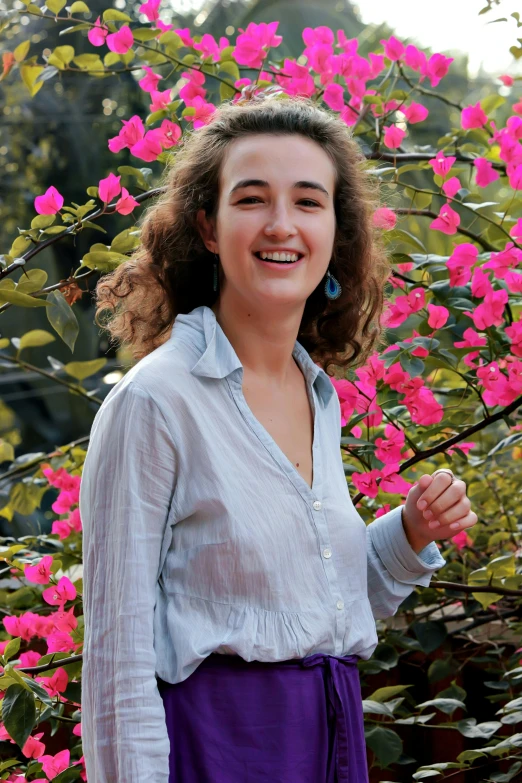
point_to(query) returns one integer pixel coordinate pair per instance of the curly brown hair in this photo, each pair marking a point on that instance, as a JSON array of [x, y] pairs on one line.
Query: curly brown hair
[[171, 271]]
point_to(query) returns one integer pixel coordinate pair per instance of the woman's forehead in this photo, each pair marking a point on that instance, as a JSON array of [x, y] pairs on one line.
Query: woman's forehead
[[270, 156]]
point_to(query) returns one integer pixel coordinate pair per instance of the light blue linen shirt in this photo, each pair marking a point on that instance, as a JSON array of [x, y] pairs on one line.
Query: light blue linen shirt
[[200, 535]]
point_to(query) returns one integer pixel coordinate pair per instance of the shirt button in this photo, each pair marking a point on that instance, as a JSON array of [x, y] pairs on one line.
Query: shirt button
[[327, 553], [317, 505], [340, 604]]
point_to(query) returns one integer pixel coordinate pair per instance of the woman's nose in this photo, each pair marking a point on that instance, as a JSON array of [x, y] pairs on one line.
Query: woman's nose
[[280, 224]]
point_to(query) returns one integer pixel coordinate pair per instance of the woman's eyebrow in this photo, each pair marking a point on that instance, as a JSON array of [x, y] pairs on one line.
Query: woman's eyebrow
[[261, 183]]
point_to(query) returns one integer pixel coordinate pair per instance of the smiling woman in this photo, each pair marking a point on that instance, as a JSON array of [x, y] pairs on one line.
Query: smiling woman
[[172, 271], [230, 585]]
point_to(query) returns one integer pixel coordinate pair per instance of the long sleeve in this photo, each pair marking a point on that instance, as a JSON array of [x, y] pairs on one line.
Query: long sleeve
[[393, 566], [125, 499]]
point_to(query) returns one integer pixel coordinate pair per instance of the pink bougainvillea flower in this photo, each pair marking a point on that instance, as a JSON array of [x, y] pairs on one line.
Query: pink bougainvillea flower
[[150, 9], [485, 172], [203, 112], [319, 35], [393, 48], [184, 34], [491, 311], [517, 107], [451, 187], [253, 43], [415, 59], [516, 230], [415, 112], [376, 64], [98, 33], [473, 117], [150, 81], [460, 263], [348, 45], [109, 187], [160, 99], [53, 765], [148, 148], [437, 67], [506, 80], [333, 96], [462, 540], [367, 482], [59, 594], [194, 86], [209, 47], [129, 135], [126, 203], [33, 748], [41, 572], [393, 136], [515, 176], [384, 218], [168, 134], [438, 315], [447, 221], [50, 203], [121, 41], [297, 79], [162, 27], [349, 115], [441, 164]]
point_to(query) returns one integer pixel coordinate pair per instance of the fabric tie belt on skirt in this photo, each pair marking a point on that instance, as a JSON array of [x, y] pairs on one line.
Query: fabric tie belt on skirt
[[344, 695]]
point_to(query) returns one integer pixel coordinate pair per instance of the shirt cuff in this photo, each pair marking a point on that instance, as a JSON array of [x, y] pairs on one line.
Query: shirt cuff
[[391, 544]]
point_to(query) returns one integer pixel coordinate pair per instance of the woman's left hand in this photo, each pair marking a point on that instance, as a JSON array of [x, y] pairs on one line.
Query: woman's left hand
[[436, 507]]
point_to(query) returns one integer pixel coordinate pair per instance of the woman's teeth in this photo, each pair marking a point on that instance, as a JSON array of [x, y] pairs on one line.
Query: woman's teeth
[[287, 258]]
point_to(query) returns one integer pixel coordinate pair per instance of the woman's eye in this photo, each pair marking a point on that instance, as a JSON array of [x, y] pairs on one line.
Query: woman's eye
[[251, 199]]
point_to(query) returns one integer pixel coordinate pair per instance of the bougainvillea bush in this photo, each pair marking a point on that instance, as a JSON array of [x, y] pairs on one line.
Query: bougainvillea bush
[[446, 391]]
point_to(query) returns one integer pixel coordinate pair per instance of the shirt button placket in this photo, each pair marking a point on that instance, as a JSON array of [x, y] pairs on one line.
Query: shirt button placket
[[332, 578]]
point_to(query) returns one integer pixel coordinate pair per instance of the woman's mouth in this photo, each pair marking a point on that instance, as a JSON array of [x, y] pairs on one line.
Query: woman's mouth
[[279, 259]]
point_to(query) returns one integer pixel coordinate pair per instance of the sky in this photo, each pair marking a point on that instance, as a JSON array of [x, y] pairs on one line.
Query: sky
[[444, 25]]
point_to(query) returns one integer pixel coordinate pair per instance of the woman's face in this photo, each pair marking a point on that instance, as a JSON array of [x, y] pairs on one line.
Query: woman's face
[[276, 195]]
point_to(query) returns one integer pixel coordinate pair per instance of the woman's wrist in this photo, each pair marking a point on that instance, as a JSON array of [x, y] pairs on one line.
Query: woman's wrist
[[415, 539]]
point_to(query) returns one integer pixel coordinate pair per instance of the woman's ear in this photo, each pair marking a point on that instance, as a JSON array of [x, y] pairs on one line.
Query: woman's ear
[[207, 231]]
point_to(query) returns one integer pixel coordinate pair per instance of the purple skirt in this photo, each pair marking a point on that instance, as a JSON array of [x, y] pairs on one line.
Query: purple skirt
[[295, 721]]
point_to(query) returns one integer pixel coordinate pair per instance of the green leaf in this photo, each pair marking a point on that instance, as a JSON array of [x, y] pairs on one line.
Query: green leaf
[[445, 705], [126, 241], [103, 262], [61, 56], [388, 692], [18, 713], [430, 634], [112, 15], [82, 370], [68, 775], [79, 7], [411, 364], [470, 728], [19, 246], [12, 648], [21, 51], [490, 103], [35, 338], [61, 317], [144, 33], [376, 708], [43, 221], [55, 5], [400, 235], [32, 280], [470, 755], [171, 40], [89, 62], [20, 299], [385, 743]]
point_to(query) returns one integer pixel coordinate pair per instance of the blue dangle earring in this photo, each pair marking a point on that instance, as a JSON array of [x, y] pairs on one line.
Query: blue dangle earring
[[332, 287], [215, 284]]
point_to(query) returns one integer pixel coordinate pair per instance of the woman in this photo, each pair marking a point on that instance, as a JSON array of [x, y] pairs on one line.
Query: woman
[[230, 586]]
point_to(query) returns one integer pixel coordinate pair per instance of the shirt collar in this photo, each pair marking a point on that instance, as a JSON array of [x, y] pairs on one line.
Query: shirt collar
[[218, 359]]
